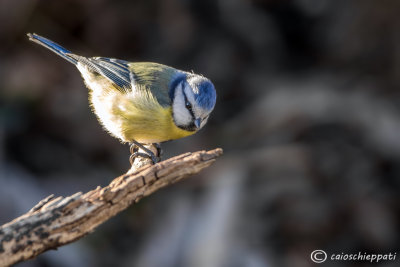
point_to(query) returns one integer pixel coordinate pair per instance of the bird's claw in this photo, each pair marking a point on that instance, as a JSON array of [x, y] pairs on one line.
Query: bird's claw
[[134, 149]]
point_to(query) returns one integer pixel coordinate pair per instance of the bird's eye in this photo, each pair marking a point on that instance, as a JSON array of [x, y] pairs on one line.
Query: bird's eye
[[188, 105]]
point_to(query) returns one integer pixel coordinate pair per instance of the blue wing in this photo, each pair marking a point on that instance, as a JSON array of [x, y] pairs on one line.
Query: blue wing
[[115, 70]]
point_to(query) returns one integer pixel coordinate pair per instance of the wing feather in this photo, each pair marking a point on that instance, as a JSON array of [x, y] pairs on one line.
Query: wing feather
[[147, 75], [116, 71]]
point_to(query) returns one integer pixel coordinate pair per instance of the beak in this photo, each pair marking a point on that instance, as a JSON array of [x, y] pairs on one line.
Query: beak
[[197, 123]]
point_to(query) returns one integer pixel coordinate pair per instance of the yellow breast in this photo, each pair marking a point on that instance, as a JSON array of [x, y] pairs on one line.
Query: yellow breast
[[152, 125]]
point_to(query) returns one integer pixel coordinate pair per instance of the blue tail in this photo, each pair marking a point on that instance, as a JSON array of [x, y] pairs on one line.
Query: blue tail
[[59, 50]]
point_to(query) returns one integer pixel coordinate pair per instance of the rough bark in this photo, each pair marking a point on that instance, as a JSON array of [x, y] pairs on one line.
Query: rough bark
[[56, 221]]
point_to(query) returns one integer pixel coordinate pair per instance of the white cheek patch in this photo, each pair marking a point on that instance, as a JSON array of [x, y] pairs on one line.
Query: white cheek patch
[[181, 115]]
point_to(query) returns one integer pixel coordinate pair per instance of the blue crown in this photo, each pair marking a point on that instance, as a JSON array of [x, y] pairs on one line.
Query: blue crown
[[206, 95]]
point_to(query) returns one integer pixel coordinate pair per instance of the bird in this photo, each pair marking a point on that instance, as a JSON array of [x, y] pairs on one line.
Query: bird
[[141, 103]]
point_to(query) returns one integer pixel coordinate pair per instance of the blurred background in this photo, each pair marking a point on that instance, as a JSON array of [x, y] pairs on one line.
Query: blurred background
[[307, 113]]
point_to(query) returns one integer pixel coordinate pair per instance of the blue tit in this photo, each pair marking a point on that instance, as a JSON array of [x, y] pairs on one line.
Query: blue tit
[[142, 102]]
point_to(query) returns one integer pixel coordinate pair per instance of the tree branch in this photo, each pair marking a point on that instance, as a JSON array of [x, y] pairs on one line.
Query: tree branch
[[56, 221]]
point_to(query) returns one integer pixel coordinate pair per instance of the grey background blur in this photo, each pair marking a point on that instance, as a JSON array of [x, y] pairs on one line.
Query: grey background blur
[[307, 113]]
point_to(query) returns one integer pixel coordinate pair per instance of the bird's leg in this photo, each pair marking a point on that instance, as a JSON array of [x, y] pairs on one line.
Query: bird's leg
[[159, 149], [147, 152], [134, 150]]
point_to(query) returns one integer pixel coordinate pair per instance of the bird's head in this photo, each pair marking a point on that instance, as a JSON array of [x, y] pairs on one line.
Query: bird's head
[[193, 99]]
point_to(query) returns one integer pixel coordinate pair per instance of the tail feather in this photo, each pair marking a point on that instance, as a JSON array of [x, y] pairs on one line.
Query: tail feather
[[56, 48]]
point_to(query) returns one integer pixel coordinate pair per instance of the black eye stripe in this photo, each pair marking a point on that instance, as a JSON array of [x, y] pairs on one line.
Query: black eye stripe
[[187, 101]]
